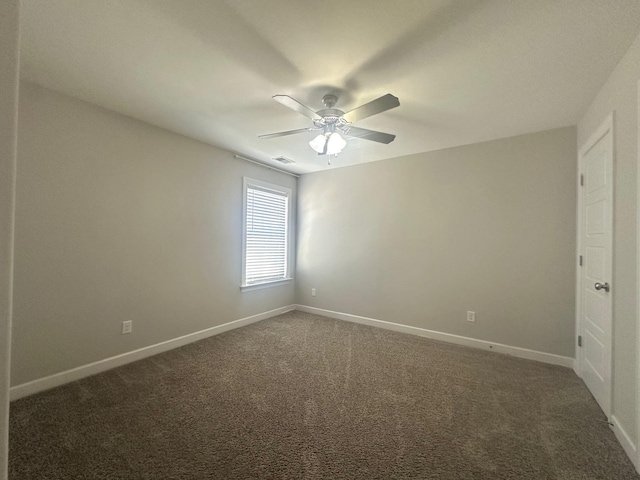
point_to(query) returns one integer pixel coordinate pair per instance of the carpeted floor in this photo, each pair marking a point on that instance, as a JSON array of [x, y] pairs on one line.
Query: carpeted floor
[[305, 397]]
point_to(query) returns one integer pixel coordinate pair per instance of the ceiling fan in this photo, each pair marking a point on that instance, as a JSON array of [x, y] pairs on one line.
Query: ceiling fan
[[332, 122]]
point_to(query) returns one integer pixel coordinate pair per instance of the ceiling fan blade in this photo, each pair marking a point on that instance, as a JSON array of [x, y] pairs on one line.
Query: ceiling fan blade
[[288, 132], [293, 104], [381, 104], [372, 135]]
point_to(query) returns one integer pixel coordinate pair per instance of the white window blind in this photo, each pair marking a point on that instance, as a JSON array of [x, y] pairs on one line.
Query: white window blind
[[266, 232]]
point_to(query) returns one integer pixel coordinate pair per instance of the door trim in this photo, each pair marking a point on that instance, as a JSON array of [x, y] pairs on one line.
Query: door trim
[[605, 127], [9, 93], [638, 299]]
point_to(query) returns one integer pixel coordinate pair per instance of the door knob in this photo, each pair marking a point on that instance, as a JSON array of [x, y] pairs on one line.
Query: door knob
[[602, 286]]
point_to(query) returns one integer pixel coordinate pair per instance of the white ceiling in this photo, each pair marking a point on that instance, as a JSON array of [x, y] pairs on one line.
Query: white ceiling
[[465, 71]]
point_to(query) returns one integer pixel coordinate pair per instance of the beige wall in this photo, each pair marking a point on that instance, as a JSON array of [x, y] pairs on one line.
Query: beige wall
[[620, 95], [9, 55], [119, 220], [419, 240]]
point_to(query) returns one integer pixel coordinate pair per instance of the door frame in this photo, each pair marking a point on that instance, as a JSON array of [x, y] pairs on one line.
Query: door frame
[[638, 299], [605, 127], [9, 86]]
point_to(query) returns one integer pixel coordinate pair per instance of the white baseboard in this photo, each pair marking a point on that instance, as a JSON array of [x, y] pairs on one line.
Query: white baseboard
[[626, 442], [445, 337], [83, 371]]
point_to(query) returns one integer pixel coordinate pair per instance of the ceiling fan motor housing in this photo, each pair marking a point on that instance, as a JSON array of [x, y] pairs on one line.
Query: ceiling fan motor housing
[[330, 116]]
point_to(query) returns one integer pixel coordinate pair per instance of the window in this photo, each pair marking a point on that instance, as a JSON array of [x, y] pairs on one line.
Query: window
[[265, 234]]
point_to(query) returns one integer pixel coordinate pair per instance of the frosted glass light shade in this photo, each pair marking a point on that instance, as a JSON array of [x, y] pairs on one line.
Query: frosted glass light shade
[[318, 143], [334, 144]]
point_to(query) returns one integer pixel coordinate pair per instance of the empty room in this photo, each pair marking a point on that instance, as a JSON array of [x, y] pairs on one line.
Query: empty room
[[297, 239]]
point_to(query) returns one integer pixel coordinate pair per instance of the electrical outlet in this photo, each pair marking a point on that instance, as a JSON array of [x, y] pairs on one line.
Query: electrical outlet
[[127, 327], [471, 316], [313, 292]]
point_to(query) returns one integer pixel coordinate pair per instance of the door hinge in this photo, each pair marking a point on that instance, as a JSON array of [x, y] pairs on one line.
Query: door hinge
[[581, 180], [580, 260], [579, 340]]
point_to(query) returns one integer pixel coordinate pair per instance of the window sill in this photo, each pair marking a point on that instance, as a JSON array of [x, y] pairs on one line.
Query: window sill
[[260, 286]]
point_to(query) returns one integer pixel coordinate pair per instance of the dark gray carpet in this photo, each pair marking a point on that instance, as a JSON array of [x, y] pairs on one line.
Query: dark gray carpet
[[306, 397]]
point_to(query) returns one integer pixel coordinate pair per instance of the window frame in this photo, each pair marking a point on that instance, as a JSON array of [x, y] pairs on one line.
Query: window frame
[[248, 182]]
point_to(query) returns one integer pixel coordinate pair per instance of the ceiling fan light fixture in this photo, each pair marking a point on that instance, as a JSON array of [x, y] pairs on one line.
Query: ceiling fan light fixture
[[328, 144], [330, 119]]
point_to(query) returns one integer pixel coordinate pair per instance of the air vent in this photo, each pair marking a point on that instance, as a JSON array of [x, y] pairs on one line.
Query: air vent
[[284, 160]]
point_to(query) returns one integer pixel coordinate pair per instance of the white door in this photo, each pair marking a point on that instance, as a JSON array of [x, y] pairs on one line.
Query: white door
[[596, 195]]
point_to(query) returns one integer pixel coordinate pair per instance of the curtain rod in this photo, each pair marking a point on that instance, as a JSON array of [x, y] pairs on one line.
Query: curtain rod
[[265, 165]]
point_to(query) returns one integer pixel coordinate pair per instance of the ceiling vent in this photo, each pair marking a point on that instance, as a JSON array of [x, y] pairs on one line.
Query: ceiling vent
[[284, 160]]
